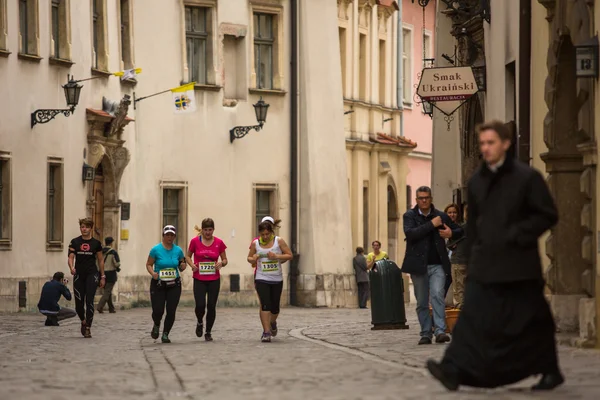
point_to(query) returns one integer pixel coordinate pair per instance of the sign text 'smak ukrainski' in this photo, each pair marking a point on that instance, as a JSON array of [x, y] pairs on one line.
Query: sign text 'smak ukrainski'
[[447, 88]]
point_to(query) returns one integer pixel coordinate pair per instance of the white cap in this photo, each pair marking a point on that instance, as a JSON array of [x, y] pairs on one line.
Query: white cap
[[267, 218], [169, 229]]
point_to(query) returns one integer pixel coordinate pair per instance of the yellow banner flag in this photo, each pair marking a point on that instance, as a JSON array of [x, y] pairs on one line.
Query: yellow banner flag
[[184, 98], [128, 73]]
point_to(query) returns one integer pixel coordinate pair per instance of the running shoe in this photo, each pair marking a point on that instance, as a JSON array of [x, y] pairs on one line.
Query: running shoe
[[165, 338], [266, 337], [199, 329], [83, 328], [208, 337], [155, 332], [88, 333], [274, 329]]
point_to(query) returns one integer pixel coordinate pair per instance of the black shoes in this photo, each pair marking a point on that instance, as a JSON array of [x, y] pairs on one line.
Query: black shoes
[[199, 329], [51, 321], [449, 381], [425, 340], [549, 381], [442, 338], [208, 337], [83, 328], [165, 338], [155, 331]]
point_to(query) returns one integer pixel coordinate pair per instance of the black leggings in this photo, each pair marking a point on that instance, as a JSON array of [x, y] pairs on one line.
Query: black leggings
[[84, 286], [163, 297], [269, 295], [201, 289]]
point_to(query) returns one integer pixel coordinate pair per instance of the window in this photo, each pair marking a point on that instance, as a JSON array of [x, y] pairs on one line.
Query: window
[[382, 62], [197, 43], [59, 33], [427, 45], [362, 67], [99, 36], [263, 50], [342, 35], [265, 203], [126, 35], [54, 205], [3, 26], [407, 49], [5, 202], [28, 27], [174, 209]]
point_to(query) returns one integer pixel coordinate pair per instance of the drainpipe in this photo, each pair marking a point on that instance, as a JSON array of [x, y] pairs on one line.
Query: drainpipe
[[294, 263], [524, 129], [399, 72]]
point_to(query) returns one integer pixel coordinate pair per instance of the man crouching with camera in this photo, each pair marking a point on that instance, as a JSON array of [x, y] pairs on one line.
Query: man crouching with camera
[[48, 304]]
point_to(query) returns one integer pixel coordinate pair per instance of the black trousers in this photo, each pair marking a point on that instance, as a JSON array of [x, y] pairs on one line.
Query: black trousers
[[84, 286], [363, 294], [269, 295], [202, 290], [164, 297]]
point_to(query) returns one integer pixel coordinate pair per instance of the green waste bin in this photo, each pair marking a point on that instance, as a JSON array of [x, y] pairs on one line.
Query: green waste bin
[[387, 296]]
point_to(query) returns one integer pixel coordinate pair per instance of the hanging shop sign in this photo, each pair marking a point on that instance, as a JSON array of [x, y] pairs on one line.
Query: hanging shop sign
[[447, 88]]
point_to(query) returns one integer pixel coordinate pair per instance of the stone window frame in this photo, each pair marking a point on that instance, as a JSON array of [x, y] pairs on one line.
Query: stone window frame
[[32, 30], [430, 50], [407, 76], [3, 29], [274, 201], [55, 193], [100, 55], [126, 39], [275, 8], [64, 33], [212, 64], [182, 229], [5, 200]]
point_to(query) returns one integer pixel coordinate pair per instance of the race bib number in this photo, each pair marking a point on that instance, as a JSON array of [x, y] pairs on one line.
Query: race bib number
[[206, 268], [270, 267], [167, 274]]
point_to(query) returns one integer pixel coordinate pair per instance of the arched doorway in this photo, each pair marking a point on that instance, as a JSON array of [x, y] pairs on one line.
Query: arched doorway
[[392, 227], [98, 203]]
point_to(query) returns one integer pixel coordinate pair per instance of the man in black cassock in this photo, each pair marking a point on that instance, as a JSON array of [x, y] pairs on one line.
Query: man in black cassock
[[505, 331]]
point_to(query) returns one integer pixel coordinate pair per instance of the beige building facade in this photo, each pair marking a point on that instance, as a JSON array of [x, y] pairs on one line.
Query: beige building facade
[[153, 167], [529, 50]]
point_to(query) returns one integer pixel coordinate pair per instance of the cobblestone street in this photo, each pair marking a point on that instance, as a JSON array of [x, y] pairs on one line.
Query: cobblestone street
[[319, 353]]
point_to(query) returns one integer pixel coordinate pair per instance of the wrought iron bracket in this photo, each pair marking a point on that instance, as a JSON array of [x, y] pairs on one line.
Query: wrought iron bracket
[[45, 116], [240, 131]]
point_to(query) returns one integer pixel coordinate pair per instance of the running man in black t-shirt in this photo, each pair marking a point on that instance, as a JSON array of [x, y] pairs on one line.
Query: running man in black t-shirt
[[84, 252]]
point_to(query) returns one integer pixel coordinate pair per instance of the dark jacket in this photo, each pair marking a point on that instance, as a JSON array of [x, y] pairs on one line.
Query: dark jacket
[[51, 292], [508, 211], [420, 233], [360, 268], [459, 248]]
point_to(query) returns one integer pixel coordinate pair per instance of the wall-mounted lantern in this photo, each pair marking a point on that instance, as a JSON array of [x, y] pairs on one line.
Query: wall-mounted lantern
[[72, 91], [260, 108], [88, 172], [587, 58], [427, 108]]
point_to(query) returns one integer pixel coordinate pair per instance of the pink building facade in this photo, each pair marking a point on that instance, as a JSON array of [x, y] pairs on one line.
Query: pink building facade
[[417, 41]]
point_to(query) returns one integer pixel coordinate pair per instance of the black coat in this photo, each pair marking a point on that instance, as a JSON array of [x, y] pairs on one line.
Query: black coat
[[508, 211], [417, 229]]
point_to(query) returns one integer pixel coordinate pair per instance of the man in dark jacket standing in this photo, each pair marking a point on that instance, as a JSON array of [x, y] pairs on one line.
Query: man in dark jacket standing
[[362, 276], [505, 332], [426, 260], [48, 304]]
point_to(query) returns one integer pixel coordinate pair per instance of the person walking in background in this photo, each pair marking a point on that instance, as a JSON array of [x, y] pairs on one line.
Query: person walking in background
[[376, 255], [112, 265], [452, 211], [427, 262], [458, 260], [505, 332], [48, 304], [362, 276]]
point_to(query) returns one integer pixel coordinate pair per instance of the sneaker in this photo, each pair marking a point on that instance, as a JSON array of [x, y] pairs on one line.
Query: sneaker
[[155, 332], [83, 328], [48, 321], [54, 321], [449, 381], [442, 338], [273, 329], [113, 311], [266, 337], [208, 337], [425, 340], [165, 338], [100, 311], [199, 329], [88, 333]]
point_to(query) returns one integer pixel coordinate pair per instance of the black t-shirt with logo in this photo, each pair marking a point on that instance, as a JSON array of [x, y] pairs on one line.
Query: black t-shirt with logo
[[85, 251]]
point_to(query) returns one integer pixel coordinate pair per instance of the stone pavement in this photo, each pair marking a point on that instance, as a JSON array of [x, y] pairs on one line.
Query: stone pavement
[[319, 353]]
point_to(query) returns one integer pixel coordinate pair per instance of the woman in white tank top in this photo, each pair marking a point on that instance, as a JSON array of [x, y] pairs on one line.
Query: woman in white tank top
[[267, 252]]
